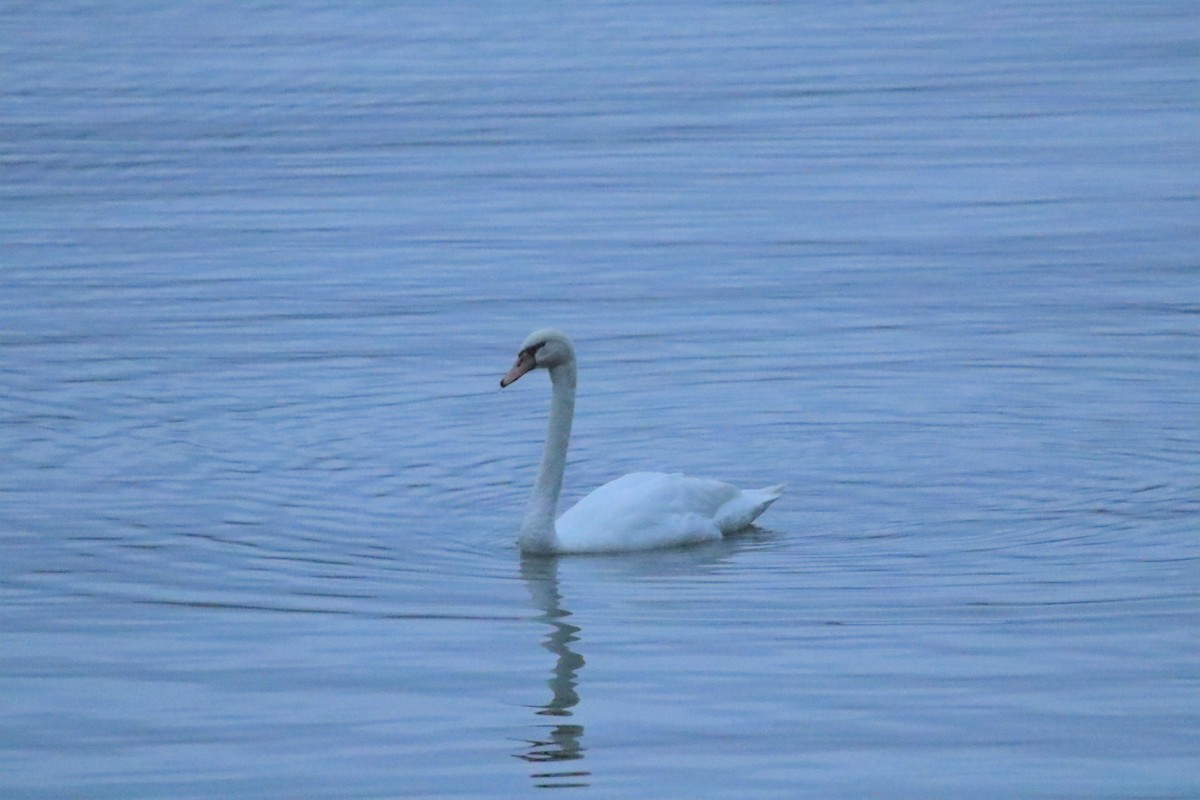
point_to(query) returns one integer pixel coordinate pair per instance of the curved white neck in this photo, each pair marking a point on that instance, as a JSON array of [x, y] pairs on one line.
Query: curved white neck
[[537, 531]]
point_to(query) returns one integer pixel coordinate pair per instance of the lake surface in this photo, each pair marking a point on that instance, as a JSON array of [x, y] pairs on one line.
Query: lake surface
[[932, 264]]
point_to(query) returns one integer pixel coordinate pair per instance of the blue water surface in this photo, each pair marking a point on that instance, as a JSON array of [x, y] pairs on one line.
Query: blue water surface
[[932, 264]]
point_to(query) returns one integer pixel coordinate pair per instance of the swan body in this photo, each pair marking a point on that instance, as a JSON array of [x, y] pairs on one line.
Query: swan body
[[639, 511]]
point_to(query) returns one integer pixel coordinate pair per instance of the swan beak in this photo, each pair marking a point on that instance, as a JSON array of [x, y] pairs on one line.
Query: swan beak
[[525, 363]]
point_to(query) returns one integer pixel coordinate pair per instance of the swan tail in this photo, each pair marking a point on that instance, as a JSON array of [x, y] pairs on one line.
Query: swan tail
[[766, 496], [746, 507], [771, 493]]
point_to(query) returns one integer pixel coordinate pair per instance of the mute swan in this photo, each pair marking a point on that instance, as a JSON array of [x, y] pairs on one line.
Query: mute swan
[[639, 511]]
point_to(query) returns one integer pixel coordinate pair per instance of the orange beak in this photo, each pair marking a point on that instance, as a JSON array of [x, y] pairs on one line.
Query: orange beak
[[525, 363]]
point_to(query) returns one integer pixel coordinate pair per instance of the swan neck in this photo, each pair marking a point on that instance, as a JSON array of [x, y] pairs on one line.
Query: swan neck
[[537, 532]]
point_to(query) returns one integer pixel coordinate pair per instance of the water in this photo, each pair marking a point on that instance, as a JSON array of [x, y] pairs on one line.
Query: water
[[932, 264]]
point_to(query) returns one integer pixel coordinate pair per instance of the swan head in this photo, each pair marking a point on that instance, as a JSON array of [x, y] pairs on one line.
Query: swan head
[[544, 349]]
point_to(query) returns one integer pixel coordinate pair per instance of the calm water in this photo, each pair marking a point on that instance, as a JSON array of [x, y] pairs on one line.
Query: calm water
[[933, 264]]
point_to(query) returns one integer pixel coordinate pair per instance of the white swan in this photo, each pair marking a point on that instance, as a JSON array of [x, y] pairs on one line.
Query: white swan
[[640, 511]]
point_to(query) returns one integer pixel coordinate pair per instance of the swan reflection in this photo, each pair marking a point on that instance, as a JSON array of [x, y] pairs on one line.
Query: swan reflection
[[562, 741], [557, 747]]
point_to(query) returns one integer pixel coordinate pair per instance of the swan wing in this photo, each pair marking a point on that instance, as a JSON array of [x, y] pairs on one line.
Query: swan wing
[[649, 510]]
